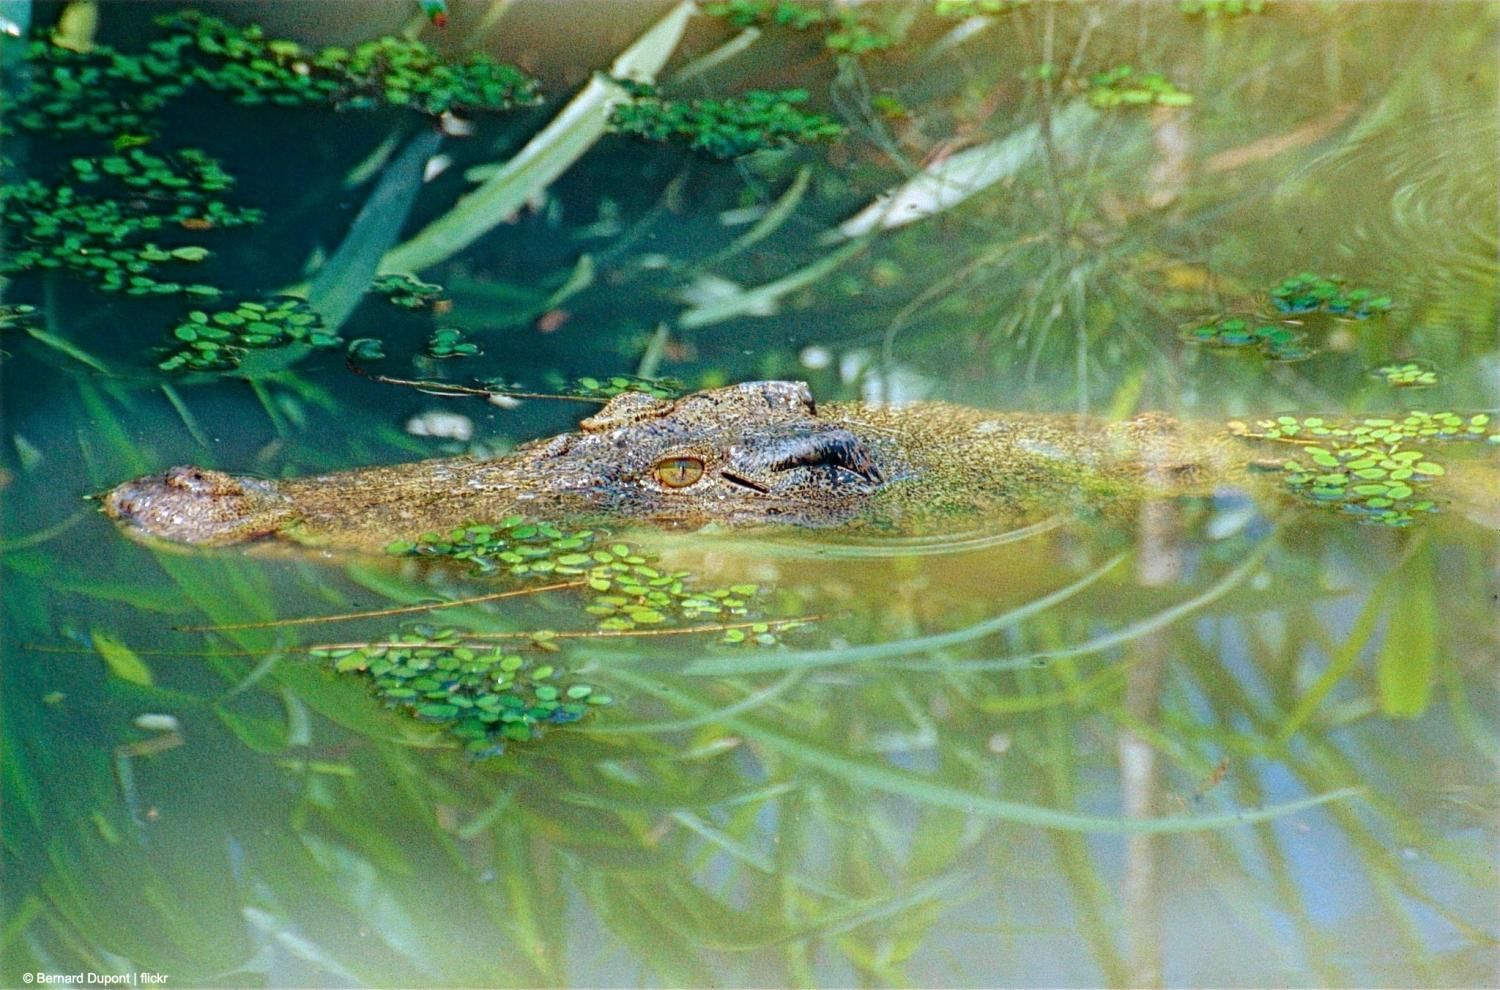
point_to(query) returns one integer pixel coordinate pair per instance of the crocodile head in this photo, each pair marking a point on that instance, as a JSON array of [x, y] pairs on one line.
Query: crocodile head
[[755, 452], [197, 505], [750, 453]]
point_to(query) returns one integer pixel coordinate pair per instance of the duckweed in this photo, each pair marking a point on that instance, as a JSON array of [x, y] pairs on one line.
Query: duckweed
[[105, 92], [218, 339], [857, 36], [100, 92], [483, 695], [1220, 8], [608, 388], [975, 8], [847, 32], [1370, 467], [253, 69], [754, 13], [1276, 341], [104, 218], [1121, 86], [626, 588], [449, 342], [1309, 292], [1407, 374], [16, 315], [723, 128], [407, 291]]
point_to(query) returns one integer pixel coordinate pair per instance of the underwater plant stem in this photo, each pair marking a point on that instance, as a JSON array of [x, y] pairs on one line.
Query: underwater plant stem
[[41, 535], [481, 639], [450, 389], [379, 613], [188, 419], [723, 53], [1049, 145]]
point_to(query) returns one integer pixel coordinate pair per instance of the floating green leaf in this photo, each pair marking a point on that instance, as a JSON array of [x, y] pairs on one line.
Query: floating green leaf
[[218, 340], [1370, 467], [975, 8], [724, 128], [1407, 374], [483, 695], [1274, 340], [625, 590], [1220, 8], [1308, 292], [1121, 86]]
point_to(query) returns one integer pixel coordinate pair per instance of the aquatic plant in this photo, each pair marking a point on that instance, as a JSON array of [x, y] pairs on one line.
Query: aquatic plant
[[975, 8], [1371, 467], [450, 342], [100, 92], [1121, 86], [95, 221], [724, 128], [1276, 341], [627, 589], [848, 32], [105, 92], [608, 388], [217, 340], [1309, 292], [407, 291], [857, 36], [16, 315], [253, 69], [1220, 8], [484, 695], [754, 13], [1407, 374]]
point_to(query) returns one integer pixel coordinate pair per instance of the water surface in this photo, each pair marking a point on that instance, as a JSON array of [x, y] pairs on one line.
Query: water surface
[[1034, 760]]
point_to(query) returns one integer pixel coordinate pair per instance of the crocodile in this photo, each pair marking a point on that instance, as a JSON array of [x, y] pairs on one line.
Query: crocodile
[[757, 453]]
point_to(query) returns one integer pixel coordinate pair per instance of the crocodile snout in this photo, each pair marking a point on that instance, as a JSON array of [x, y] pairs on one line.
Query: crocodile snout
[[194, 505]]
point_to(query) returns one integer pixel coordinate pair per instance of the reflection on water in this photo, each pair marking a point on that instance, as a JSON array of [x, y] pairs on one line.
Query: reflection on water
[[1210, 741]]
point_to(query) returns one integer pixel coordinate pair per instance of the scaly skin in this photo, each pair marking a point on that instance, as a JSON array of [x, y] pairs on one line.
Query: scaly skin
[[747, 454]]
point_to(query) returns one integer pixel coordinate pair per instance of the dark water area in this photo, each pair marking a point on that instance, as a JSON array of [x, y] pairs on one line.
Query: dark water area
[[1245, 738]]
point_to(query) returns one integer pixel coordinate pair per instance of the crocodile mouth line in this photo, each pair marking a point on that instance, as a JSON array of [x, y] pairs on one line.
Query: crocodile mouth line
[[753, 486]]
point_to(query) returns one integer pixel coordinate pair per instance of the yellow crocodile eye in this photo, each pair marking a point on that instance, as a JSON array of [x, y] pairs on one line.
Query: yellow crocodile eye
[[678, 472]]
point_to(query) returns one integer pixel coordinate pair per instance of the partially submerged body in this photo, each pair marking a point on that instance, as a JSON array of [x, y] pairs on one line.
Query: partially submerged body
[[757, 453]]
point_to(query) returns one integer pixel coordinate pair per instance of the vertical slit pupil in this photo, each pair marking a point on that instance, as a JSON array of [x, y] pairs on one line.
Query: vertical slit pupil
[[678, 472]]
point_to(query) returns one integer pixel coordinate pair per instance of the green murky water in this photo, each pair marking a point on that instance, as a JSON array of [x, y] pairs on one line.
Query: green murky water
[[1218, 742]]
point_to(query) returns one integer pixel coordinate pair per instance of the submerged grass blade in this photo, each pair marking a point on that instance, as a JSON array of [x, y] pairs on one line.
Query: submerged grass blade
[[545, 157], [902, 783], [717, 56], [70, 349], [1119, 637], [183, 413], [343, 280], [780, 212], [720, 665], [42, 535], [763, 299], [750, 702], [947, 183]]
